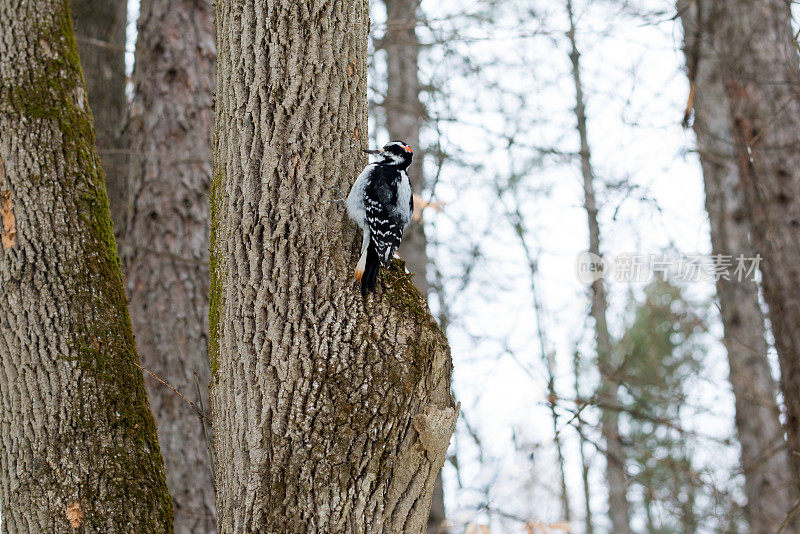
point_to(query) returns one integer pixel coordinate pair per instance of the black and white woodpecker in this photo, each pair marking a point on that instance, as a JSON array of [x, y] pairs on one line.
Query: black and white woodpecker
[[381, 203]]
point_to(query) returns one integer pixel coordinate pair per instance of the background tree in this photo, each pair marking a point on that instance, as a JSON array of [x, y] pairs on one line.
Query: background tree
[[761, 69], [765, 460], [618, 508], [332, 412], [404, 113], [100, 30], [164, 238], [79, 447], [661, 352]]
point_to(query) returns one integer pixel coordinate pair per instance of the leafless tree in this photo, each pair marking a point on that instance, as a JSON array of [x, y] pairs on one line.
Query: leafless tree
[[100, 27], [765, 459], [404, 114], [618, 507], [761, 73]]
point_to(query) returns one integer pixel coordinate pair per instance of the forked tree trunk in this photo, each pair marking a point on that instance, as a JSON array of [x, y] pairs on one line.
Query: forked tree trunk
[[100, 27], [761, 69], [164, 241], [404, 115], [616, 478], [765, 460], [332, 412], [79, 450]]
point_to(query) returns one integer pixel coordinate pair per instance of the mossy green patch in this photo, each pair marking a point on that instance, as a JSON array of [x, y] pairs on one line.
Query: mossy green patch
[[276, 93], [215, 300], [399, 288]]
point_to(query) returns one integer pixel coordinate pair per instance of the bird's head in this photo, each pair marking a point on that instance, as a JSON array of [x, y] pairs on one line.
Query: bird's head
[[393, 153]]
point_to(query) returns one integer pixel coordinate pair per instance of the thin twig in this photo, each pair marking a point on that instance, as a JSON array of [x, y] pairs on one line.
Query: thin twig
[[789, 516], [205, 430], [199, 412]]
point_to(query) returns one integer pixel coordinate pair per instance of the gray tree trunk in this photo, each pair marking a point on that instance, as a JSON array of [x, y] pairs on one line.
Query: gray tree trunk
[[79, 451], [616, 478], [404, 115], [164, 240], [332, 412], [765, 460], [100, 27], [761, 69]]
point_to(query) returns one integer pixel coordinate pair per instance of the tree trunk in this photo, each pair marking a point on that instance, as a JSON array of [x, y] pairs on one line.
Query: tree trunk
[[100, 27], [765, 460], [332, 412], [404, 115], [164, 241], [618, 507], [761, 69], [79, 450]]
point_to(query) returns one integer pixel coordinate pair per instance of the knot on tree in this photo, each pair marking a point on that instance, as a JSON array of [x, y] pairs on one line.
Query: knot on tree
[[435, 426]]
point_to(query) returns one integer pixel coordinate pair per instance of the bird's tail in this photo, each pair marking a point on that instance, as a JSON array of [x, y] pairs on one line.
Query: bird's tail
[[370, 277]]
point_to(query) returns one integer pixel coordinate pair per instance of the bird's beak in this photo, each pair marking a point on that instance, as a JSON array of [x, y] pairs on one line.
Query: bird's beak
[[373, 152]]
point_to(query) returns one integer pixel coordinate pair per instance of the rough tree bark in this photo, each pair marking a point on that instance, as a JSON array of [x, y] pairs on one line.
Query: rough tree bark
[[761, 69], [100, 27], [332, 412], [164, 239], [79, 450], [404, 114], [765, 459], [618, 506]]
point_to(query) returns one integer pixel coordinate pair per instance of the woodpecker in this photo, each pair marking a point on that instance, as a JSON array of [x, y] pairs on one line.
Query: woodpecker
[[381, 203]]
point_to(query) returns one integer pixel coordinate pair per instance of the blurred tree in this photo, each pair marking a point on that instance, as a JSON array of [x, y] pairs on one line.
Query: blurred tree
[[404, 113], [100, 27], [333, 412], [761, 72], [588, 516], [546, 351], [765, 459], [164, 238], [661, 356], [618, 507], [79, 450]]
